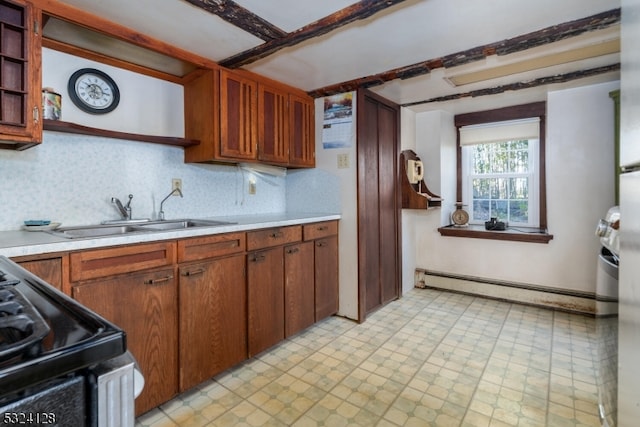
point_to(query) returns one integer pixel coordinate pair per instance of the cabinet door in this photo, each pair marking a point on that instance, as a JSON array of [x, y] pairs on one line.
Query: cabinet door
[[238, 116], [202, 116], [49, 270], [20, 63], [265, 285], [299, 296], [302, 150], [326, 276], [273, 125], [213, 318], [144, 305]]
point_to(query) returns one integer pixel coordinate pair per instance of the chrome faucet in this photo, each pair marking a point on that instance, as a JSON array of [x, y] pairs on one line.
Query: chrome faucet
[[161, 213], [125, 211]]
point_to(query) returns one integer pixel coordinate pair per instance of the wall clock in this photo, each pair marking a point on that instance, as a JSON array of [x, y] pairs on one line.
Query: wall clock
[[93, 91]]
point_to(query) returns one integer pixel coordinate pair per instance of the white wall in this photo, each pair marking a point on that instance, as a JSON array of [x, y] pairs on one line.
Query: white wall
[[408, 217], [579, 161], [147, 105]]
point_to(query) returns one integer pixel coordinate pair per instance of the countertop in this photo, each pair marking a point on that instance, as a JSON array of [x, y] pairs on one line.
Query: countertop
[[21, 243]]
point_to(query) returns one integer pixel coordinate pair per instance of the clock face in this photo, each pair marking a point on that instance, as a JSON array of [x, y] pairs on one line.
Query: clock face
[[460, 217], [93, 91]]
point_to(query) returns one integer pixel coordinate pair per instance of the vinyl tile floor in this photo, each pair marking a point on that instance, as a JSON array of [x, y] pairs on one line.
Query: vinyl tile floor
[[432, 358]]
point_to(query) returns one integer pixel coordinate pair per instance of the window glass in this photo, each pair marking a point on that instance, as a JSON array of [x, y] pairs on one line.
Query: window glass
[[500, 181]]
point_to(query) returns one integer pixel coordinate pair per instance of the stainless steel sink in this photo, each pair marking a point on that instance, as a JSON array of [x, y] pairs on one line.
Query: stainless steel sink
[[93, 231], [104, 230], [180, 224]]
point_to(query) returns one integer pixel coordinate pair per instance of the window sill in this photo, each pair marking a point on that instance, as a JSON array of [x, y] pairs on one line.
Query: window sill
[[478, 232]]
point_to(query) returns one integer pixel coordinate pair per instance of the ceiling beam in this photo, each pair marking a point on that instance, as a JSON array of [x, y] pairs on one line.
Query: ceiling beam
[[558, 78], [527, 41], [357, 11], [242, 18]]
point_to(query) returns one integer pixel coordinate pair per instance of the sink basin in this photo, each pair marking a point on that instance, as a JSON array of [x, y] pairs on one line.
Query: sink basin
[[180, 224], [104, 230], [93, 231]]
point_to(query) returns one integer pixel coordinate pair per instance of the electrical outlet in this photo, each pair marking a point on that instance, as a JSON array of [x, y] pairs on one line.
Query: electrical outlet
[[343, 161], [176, 183], [252, 186]]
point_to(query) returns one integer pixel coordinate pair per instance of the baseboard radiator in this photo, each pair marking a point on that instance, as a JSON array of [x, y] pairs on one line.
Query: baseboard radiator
[[559, 299]]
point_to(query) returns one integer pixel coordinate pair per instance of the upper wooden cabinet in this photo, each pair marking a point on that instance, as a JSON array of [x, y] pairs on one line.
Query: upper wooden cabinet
[[273, 124], [239, 116], [302, 133], [21, 80]]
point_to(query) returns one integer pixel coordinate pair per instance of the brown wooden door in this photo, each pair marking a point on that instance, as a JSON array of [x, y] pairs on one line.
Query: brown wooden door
[[20, 58], [273, 124], [302, 151], [326, 276], [379, 249], [145, 306], [265, 287], [238, 116], [213, 313], [298, 287]]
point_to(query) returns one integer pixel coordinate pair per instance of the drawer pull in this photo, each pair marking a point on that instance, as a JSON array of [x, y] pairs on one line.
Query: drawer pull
[[323, 228], [258, 258], [193, 272], [321, 244], [276, 235], [293, 250], [158, 281]]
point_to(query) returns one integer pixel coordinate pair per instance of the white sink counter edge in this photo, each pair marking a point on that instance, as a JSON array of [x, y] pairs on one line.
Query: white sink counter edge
[[22, 243]]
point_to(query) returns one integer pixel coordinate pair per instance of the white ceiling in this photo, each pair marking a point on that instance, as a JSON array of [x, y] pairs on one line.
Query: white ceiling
[[406, 33]]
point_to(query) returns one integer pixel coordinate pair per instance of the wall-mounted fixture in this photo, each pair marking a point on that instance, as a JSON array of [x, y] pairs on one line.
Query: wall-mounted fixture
[[415, 194]]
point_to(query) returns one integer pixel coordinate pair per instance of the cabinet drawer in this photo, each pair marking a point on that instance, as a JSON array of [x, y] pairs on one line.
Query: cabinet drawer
[[199, 248], [320, 229], [108, 262], [273, 237]]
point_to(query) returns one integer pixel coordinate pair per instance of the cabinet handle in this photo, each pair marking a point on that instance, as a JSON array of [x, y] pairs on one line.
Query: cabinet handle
[[258, 258], [321, 244], [323, 228], [277, 235], [193, 272], [158, 281], [293, 250]]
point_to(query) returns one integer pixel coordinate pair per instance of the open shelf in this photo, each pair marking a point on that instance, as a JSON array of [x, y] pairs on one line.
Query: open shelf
[[61, 126], [415, 196]]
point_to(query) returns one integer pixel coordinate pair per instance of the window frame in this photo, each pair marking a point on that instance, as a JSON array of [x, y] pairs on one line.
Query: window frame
[[535, 109], [532, 175]]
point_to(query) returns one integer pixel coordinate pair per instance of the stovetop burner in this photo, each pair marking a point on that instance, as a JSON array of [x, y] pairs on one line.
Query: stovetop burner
[[21, 326]]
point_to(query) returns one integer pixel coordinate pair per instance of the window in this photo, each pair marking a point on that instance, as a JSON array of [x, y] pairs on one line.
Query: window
[[500, 173]]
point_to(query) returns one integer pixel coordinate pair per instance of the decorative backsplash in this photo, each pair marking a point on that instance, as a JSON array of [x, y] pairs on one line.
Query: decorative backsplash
[[72, 178]]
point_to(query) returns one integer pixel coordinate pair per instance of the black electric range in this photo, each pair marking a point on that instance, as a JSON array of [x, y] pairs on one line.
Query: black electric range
[[45, 335]]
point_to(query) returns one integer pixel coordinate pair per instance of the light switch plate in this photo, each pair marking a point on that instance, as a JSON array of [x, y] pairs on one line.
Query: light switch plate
[[343, 161]]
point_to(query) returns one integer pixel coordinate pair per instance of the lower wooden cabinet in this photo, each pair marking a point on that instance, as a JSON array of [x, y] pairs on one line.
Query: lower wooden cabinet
[[325, 241], [144, 304], [50, 268], [195, 307], [326, 276], [299, 298], [265, 293], [213, 318]]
